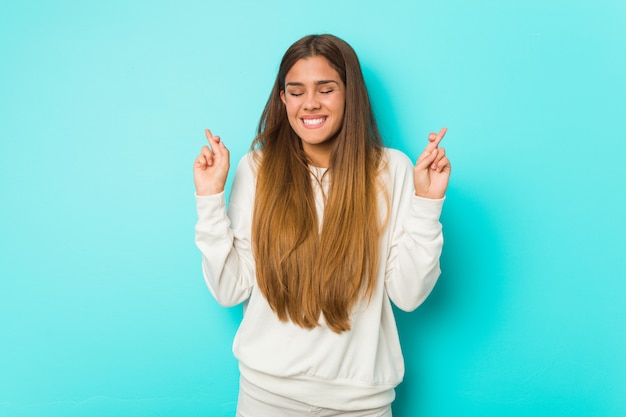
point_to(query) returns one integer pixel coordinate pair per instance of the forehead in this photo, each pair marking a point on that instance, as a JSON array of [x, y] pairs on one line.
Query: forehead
[[312, 69]]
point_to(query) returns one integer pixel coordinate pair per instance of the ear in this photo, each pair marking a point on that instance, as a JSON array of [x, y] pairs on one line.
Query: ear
[[282, 97]]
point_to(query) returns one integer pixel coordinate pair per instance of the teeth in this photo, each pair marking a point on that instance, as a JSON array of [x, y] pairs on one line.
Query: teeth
[[313, 121]]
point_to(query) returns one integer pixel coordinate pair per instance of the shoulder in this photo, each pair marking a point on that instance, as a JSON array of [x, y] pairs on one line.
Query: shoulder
[[244, 180], [396, 173], [396, 161], [248, 164]]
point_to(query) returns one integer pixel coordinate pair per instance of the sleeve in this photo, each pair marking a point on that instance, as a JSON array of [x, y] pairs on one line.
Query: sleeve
[[412, 267], [224, 239]]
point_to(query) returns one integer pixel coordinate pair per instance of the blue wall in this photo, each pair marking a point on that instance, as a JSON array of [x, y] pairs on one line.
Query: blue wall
[[103, 310]]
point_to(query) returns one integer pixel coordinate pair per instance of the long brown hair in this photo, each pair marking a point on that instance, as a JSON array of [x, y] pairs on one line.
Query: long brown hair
[[304, 272]]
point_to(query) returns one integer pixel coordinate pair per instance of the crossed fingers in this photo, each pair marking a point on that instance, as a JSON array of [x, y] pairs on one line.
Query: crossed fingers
[[434, 156], [208, 154]]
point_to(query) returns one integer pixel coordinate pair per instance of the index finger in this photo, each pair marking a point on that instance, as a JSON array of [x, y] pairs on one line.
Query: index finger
[[440, 136], [213, 140], [434, 143], [208, 134]]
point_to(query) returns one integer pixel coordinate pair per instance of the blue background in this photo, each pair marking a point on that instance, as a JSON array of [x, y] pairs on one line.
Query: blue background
[[103, 310]]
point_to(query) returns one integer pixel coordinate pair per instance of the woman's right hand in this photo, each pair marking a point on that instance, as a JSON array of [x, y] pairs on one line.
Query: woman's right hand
[[210, 169]]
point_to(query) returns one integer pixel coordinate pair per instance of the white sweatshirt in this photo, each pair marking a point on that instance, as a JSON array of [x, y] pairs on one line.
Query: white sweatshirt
[[354, 370]]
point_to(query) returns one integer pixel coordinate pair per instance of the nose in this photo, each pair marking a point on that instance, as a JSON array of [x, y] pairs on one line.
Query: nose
[[311, 102]]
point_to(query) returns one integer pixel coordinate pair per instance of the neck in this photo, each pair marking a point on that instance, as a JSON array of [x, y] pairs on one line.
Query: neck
[[318, 155]]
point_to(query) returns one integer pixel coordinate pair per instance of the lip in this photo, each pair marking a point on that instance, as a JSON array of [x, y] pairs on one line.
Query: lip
[[313, 121]]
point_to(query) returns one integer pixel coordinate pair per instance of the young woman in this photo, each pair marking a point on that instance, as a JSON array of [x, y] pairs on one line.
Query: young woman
[[325, 228]]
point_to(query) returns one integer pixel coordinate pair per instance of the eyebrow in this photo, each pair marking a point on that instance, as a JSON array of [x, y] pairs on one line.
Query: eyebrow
[[320, 82]]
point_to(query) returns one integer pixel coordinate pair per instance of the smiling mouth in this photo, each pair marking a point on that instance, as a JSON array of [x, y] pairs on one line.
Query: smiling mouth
[[318, 121]]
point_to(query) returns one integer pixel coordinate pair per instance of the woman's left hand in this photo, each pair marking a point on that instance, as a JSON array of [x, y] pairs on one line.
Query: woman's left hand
[[432, 170]]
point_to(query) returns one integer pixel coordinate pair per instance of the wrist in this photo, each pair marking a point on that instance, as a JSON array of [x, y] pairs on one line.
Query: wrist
[[207, 191], [430, 196]]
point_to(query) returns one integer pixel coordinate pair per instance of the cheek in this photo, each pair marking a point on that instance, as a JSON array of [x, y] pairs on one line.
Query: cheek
[[338, 105], [291, 108], [292, 116], [341, 109]]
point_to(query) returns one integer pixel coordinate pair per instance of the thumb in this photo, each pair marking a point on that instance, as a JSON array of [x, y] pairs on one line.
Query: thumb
[[426, 159]]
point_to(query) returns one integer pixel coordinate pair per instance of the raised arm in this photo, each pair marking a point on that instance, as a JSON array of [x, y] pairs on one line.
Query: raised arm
[[413, 264], [224, 237]]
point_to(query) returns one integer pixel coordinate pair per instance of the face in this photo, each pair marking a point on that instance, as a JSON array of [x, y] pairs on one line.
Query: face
[[314, 99]]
